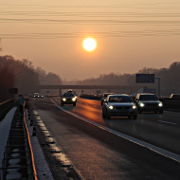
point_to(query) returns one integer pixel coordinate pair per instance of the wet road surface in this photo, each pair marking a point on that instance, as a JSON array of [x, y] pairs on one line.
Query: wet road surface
[[162, 130], [98, 155]]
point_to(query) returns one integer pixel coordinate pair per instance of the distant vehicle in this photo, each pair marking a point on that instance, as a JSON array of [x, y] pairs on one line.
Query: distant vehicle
[[69, 98], [147, 102], [119, 105], [175, 96], [104, 97], [37, 95], [42, 96]]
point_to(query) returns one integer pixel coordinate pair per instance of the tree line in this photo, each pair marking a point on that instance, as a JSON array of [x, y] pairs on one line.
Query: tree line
[[21, 74], [169, 78]]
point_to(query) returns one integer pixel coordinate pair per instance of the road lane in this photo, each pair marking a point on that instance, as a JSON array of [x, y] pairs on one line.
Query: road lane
[[97, 155], [152, 128]]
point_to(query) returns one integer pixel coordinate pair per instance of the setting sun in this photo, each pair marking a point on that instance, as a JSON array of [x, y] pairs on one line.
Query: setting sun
[[89, 44]]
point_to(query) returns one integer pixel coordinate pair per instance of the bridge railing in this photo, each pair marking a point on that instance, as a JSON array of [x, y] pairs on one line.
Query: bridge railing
[[18, 161]]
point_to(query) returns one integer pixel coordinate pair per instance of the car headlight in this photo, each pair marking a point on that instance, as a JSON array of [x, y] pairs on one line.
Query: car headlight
[[134, 107], [64, 99], [74, 99], [141, 104], [160, 104], [111, 107]]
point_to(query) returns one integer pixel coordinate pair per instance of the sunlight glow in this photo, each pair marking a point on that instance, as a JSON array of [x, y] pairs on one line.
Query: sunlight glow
[[89, 44]]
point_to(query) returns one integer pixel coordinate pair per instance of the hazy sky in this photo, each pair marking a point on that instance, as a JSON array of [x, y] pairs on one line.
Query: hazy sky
[[131, 34]]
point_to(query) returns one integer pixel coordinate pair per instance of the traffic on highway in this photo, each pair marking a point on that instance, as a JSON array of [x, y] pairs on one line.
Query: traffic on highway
[[90, 90], [154, 131]]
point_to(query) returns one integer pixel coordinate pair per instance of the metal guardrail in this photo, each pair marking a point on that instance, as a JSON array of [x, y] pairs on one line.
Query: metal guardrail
[[35, 177], [5, 102], [86, 96], [18, 161]]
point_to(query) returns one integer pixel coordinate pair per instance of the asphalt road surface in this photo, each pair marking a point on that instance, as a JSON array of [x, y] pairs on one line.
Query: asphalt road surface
[[161, 130], [100, 155]]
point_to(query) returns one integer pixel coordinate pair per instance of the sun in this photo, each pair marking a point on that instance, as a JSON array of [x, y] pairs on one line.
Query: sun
[[89, 44]]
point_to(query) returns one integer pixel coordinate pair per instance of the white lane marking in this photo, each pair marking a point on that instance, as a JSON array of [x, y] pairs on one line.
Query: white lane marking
[[42, 166], [60, 155], [167, 122], [151, 147]]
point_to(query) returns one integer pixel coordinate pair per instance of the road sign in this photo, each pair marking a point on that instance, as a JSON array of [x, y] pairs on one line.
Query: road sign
[[145, 78]]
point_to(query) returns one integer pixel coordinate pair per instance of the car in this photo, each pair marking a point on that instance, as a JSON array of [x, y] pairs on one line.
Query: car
[[175, 96], [104, 96], [69, 98], [36, 95], [119, 105], [147, 102]]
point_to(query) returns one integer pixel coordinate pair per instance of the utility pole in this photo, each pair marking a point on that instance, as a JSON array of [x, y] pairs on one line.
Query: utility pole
[[159, 86]]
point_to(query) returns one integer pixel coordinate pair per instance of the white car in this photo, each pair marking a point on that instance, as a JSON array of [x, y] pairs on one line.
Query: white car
[[119, 105], [147, 102]]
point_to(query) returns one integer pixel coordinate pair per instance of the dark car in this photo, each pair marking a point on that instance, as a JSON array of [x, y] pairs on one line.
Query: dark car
[[69, 98], [175, 96], [147, 102], [119, 105]]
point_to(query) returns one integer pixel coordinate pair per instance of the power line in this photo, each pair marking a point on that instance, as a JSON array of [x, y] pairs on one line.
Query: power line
[[98, 34]]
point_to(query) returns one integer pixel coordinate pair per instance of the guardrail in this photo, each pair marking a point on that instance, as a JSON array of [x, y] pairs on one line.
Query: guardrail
[[31, 154], [86, 96], [18, 161]]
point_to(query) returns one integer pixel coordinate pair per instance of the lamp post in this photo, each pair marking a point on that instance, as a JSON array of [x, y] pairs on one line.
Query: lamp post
[[159, 86]]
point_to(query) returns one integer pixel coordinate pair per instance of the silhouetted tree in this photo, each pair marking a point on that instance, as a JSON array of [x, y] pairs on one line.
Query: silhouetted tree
[[169, 78], [22, 75]]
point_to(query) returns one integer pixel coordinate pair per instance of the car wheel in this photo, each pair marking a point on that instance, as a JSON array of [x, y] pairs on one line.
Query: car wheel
[[108, 116], [135, 117], [129, 117], [103, 115], [161, 112], [101, 103], [74, 104]]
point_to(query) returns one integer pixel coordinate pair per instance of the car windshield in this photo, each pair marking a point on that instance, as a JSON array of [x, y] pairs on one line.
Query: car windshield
[[69, 94], [121, 99], [148, 98]]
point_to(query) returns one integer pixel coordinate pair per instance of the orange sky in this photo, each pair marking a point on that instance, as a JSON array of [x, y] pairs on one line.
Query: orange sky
[[131, 34]]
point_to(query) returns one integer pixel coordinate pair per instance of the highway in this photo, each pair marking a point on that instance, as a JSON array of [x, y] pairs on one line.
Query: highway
[[162, 130], [101, 155]]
